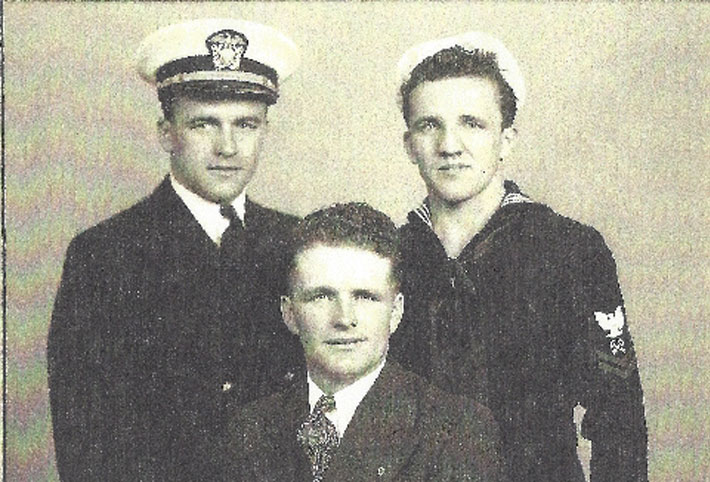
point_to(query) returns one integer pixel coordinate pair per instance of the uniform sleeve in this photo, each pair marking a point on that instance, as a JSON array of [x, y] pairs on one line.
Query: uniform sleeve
[[71, 372], [610, 388]]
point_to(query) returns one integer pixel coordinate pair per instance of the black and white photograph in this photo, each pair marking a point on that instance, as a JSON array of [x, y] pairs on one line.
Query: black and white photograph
[[356, 241]]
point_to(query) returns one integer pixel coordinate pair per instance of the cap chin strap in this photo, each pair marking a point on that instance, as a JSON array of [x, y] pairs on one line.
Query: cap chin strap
[[237, 76]]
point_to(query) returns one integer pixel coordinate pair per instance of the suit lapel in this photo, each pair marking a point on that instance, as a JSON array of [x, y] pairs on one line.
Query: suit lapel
[[287, 457], [382, 433], [175, 225]]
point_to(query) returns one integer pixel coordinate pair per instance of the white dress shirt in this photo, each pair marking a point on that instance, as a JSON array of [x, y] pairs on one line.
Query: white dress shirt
[[346, 400], [206, 212]]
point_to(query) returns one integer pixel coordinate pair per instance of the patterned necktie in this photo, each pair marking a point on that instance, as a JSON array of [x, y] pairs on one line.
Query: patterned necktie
[[232, 242], [319, 437]]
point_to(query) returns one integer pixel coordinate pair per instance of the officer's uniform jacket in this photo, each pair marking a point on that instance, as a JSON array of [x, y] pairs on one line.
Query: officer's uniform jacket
[[151, 338], [403, 430], [529, 319]]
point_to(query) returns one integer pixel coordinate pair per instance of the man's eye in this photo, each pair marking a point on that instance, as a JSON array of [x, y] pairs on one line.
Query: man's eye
[[318, 297], [472, 123], [426, 125], [369, 297], [199, 125], [248, 125]]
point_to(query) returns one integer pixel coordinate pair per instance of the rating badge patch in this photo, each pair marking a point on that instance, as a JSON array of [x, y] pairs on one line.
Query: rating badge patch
[[613, 323], [613, 326]]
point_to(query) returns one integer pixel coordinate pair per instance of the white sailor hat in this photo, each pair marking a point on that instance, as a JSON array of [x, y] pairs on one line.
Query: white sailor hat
[[470, 41], [218, 53]]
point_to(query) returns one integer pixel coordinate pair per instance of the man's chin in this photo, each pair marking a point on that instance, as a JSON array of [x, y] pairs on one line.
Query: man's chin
[[223, 196]]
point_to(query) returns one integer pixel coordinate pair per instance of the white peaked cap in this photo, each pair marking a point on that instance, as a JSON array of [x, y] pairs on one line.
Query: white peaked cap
[[244, 53]]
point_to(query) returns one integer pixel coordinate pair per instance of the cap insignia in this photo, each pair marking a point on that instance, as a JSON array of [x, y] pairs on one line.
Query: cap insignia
[[227, 48]]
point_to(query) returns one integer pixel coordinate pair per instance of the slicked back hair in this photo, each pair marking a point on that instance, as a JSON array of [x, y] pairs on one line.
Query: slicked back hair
[[459, 62], [355, 225]]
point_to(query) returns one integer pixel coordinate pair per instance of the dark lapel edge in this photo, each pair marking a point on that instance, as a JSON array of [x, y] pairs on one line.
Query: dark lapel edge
[[173, 219], [382, 433], [290, 409]]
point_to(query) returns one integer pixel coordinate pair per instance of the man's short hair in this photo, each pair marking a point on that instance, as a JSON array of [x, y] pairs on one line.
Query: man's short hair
[[207, 92], [457, 61], [353, 224]]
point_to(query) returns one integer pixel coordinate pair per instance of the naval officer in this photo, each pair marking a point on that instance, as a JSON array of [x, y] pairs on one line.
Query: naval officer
[[168, 311]]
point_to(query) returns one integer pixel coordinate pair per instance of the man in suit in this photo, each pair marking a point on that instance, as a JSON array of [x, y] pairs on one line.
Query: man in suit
[[509, 302], [357, 417], [168, 312]]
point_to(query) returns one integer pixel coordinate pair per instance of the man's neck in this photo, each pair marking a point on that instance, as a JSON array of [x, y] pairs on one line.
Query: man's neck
[[456, 224], [330, 385]]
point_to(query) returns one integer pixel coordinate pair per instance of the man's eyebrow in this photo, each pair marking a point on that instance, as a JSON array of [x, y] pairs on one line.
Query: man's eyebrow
[[202, 118], [366, 292], [471, 117], [249, 118], [316, 290], [426, 118]]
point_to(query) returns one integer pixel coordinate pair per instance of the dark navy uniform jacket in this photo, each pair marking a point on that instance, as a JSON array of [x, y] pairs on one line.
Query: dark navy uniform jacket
[[152, 338], [529, 319]]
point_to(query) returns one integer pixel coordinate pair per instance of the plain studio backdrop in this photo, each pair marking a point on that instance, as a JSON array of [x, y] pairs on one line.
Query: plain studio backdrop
[[613, 133]]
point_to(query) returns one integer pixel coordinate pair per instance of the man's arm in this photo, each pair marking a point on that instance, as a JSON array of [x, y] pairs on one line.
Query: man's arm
[[610, 387], [72, 370]]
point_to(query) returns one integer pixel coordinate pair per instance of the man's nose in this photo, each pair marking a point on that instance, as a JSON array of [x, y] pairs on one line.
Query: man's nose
[[226, 144], [344, 316], [449, 143]]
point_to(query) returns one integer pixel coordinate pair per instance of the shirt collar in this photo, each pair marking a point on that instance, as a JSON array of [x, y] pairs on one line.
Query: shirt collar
[[206, 212], [513, 195], [346, 399]]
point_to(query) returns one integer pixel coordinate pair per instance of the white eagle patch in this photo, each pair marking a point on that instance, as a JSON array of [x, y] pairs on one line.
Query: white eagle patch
[[611, 322]]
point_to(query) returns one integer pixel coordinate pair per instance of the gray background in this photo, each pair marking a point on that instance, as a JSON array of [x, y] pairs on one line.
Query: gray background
[[613, 133]]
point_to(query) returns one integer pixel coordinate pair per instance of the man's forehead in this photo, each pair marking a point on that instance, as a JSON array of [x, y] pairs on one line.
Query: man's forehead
[[460, 94], [234, 106], [340, 262]]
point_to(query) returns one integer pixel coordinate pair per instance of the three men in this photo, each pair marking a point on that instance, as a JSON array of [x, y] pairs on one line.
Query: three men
[[168, 312], [508, 302], [358, 416], [167, 316]]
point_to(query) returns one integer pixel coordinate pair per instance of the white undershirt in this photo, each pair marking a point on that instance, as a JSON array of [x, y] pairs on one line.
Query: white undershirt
[[346, 400], [207, 213]]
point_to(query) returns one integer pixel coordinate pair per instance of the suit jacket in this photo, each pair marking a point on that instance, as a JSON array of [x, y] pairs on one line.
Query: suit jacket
[[151, 338], [403, 430]]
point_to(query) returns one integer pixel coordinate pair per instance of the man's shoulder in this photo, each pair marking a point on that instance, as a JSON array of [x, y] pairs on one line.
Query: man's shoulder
[[547, 230], [269, 219], [126, 227], [272, 406], [432, 403], [527, 222], [452, 431]]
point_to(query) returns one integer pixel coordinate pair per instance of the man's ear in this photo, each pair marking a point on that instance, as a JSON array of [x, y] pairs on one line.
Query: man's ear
[[397, 311], [407, 141], [288, 316], [507, 140], [165, 135]]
